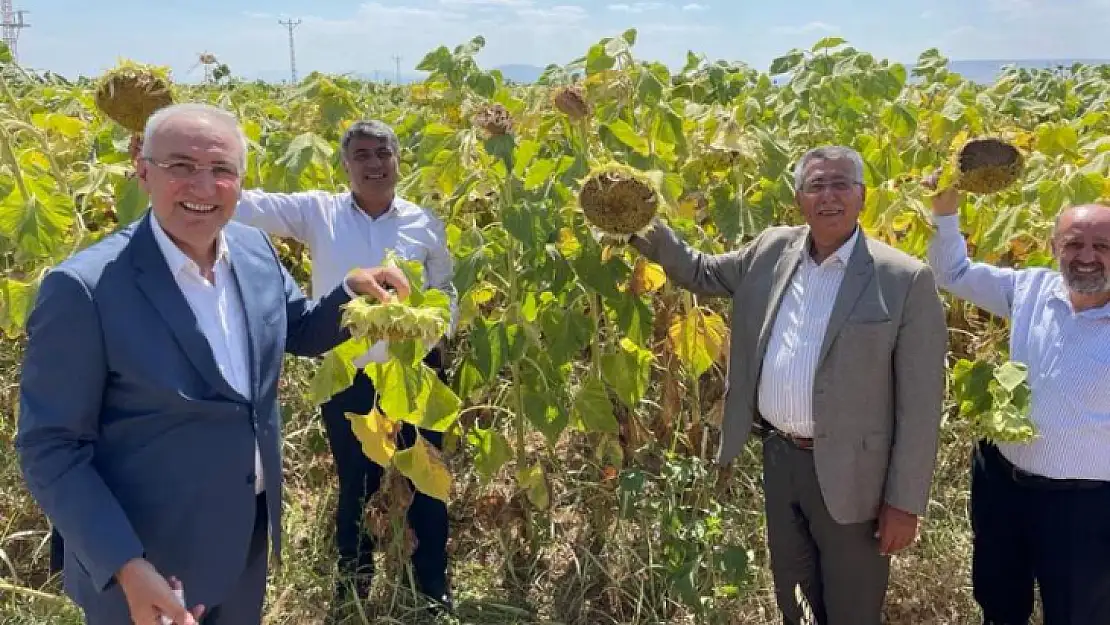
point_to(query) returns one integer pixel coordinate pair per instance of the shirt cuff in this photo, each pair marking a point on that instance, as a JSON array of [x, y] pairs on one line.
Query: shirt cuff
[[947, 224]]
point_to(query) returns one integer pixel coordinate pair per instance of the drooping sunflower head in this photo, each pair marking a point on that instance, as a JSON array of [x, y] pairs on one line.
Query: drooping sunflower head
[[618, 200], [130, 93], [988, 165], [571, 101], [494, 119]]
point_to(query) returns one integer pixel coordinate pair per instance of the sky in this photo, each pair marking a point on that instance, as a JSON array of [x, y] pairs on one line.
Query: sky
[[86, 37]]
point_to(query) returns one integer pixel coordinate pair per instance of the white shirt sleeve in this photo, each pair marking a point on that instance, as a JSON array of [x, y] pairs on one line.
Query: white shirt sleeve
[[439, 268], [281, 214], [987, 286]]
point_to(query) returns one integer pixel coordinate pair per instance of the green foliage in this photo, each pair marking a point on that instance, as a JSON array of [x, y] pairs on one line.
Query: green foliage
[[995, 399]]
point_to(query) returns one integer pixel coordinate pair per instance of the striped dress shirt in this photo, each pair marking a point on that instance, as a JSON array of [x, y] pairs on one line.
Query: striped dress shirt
[[790, 363], [1067, 353]]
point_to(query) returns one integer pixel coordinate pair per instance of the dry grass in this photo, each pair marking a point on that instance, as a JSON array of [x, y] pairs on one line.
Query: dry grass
[[570, 570]]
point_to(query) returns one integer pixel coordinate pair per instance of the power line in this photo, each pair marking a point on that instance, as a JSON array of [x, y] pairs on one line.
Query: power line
[[292, 52]]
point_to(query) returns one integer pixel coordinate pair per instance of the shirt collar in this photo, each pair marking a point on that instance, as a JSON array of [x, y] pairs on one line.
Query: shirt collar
[[393, 209], [842, 254], [175, 258], [1060, 293]]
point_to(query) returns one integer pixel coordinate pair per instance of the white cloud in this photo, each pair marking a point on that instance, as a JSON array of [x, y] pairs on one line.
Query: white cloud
[[636, 7], [805, 29], [488, 3], [694, 6], [562, 12]]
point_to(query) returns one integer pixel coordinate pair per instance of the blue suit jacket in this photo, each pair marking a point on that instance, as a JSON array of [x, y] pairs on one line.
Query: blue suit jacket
[[129, 437]]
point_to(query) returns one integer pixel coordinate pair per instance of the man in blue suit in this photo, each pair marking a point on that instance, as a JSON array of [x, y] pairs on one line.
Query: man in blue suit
[[149, 428]]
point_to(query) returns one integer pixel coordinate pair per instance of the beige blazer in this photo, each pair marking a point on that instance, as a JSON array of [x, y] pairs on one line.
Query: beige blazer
[[879, 385]]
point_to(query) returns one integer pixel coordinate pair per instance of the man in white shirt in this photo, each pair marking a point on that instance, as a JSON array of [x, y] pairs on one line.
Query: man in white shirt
[[1040, 511], [837, 351], [342, 231]]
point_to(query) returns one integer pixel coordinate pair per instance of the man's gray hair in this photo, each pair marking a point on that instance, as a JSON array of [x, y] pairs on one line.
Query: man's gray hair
[[832, 153], [195, 110], [370, 129]]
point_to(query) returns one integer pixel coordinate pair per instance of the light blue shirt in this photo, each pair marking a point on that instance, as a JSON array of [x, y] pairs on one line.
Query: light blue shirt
[[1067, 353]]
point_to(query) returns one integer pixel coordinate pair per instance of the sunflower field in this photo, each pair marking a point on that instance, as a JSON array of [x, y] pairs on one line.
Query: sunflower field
[[585, 391]]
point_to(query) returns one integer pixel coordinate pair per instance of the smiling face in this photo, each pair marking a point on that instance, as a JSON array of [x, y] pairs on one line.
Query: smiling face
[[830, 198], [372, 166], [191, 173], [1082, 247]]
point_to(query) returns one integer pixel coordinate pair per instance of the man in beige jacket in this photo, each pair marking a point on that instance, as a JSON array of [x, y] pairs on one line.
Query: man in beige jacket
[[837, 359]]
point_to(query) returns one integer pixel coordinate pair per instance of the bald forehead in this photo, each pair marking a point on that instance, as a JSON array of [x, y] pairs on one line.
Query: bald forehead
[[197, 132], [1084, 215]]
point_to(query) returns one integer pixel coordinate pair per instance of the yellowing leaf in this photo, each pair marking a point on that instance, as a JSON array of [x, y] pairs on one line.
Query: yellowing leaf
[[534, 483], [647, 277], [422, 464], [483, 293], [567, 243], [698, 339], [377, 434], [958, 141], [688, 207]]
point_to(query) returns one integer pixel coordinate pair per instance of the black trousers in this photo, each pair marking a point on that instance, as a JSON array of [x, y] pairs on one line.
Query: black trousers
[[359, 478], [1030, 530]]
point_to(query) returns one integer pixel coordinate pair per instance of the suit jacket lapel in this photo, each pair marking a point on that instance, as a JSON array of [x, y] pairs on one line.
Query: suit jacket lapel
[[780, 278], [246, 269], [160, 287], [857, 275]]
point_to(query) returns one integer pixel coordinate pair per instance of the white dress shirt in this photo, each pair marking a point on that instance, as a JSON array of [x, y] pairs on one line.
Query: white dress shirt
[[219, 313], [790, 363], [340, 237], [1067, 353]]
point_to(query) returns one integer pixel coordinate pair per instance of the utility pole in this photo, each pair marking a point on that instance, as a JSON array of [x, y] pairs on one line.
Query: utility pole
[[290, 24], [397, 76], [12, 23]]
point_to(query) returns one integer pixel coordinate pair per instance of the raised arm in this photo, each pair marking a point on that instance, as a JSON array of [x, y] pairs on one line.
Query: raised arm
[[281, 214], [716, 275], [63, 379], [987, 286]]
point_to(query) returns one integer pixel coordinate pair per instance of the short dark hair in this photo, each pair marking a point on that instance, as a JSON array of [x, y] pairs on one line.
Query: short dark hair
[[370, 129]]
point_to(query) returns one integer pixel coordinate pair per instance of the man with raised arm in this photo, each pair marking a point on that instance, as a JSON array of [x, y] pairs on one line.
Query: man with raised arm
[[345, 230], [837, 356], [149, 428], [1040, 511]]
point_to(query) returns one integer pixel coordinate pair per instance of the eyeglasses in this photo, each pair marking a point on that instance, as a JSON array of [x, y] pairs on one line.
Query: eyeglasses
[[839, 186], [188, 169]]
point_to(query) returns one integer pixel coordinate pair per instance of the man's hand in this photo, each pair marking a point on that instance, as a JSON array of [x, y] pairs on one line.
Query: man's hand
[[897, 530], [947, 202], [372, 282], [149, 596]]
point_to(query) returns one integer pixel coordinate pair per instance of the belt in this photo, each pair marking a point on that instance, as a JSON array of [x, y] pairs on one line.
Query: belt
[[1022, 477], [801, 442]]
